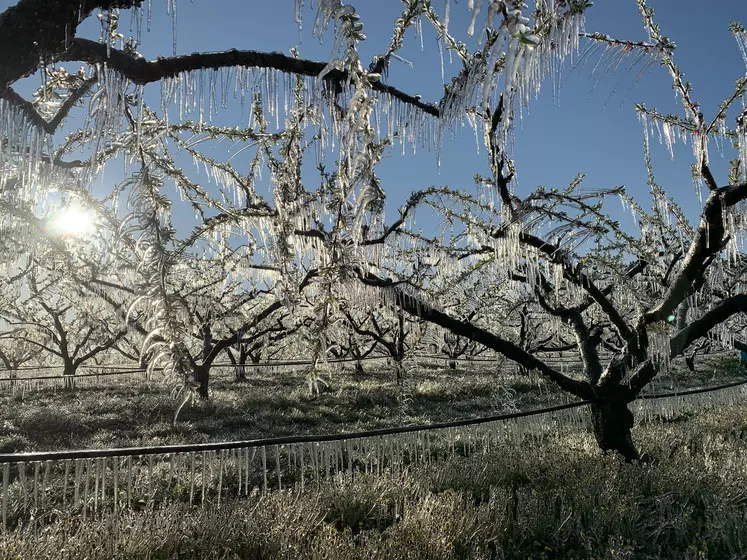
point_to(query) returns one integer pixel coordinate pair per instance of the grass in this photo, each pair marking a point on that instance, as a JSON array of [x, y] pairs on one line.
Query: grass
[[560, 499], [269, 405], [263, 406]]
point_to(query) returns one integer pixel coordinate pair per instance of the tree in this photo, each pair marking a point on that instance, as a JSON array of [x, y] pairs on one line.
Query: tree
[[58, 320], [14, 353], [586, 275], [347, 343], [390, 331]]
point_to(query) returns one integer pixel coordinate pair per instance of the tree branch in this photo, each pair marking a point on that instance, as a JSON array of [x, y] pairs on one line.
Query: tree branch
[[708, 242], [700, 327], [417, 308], [41, 29], [141, 71]]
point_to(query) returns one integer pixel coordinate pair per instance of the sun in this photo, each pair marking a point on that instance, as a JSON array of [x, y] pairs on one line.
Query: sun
[[72, 221]]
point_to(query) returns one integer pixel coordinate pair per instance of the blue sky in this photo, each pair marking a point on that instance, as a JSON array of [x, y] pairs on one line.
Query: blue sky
[[592, 132]]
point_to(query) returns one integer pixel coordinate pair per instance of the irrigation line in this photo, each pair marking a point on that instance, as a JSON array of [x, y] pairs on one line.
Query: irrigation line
[[70, 377], [217, 446], [691, 391], [143, 370], [270, 364]]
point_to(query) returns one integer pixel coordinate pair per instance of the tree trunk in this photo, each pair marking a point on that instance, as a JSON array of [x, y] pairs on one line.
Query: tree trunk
[[202, 376], [256, 359], [399, 370], [68, 374], [690, 362], [240, 368], [612, 421], [452, 364], [359, 368]]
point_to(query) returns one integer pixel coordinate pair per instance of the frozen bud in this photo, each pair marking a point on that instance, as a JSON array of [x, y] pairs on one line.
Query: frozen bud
[[346, 10], [374, 77], [530, 39]]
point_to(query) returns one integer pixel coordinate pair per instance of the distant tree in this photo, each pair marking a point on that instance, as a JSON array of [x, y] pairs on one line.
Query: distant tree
[[391, 331], [58, 320]]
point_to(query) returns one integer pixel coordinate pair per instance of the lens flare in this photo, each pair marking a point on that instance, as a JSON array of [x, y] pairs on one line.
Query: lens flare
[[72, 222]]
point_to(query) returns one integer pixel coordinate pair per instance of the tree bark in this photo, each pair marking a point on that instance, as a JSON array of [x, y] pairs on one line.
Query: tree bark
[[256, 359], [398, 371], [690, 362], [33, 29], [612, 422], [68, 374], [202, 376]]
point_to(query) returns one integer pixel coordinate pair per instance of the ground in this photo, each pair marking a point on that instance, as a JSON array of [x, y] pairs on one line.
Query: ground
[[559, 498], [271, 404]]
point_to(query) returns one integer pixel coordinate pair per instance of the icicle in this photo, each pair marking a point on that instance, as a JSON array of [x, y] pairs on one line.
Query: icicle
[[246, 469], [221, 462], [36, 485], [6, 479], [742, 139], [740, 34], [115, 482], [191, 478], [303, 475], [264, 470], [64, 483], [239, 461], [96, 468], [291, 458], [129, 482], [76, 487], [203, 477], [277, 466], [87, 486], [172, 459]]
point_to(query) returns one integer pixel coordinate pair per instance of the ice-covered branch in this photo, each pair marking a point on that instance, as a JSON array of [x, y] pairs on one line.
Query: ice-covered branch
[[418, 308], [141, 71], [268, 311], [114, 339], [709, 240], [404, 211], [627, 45], [33, 115], [35, 30], [700, 327], [683, 88], [573, 274]]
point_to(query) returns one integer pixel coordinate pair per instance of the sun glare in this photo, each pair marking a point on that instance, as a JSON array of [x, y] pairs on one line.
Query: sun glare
[[72, 222]]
